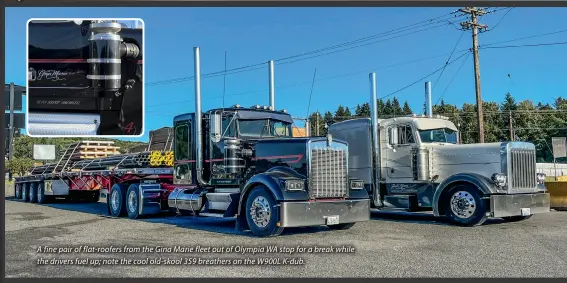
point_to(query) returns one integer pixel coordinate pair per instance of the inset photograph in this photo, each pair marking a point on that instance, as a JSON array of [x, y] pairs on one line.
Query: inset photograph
[[85, 77]]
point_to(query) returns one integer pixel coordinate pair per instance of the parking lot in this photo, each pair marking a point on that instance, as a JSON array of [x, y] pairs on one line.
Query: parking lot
[[389, 245]]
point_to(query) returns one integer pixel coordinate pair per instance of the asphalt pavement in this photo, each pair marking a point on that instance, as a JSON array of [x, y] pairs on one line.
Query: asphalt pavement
[[389, 245]]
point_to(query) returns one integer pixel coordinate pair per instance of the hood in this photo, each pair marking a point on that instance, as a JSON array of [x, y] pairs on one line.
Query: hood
[[288, 152], [450, 159]]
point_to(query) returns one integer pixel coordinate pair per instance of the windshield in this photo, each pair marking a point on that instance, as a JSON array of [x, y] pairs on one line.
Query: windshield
[[444, 135], [264, 128]]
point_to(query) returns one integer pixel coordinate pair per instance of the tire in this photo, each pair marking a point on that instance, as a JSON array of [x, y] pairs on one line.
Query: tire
[[133, 201], [41, 197], [342, 226], [516, 218], [26, 192], [33, 193], [18, 191], [116, 204], [464, 206], [261, 215]]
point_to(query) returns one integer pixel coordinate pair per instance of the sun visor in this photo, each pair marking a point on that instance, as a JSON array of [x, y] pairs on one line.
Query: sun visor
[[259, 115]]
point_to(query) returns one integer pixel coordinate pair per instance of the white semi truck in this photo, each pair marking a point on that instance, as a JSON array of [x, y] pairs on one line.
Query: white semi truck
[[417, 163]]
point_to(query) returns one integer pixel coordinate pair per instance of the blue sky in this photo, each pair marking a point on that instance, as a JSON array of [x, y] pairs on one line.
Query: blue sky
[[256, 35]]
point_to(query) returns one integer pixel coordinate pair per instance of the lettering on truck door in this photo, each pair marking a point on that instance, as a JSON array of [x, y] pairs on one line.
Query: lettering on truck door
[[398, 154]]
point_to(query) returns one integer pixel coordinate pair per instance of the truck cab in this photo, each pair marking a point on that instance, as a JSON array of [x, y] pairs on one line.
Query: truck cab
[[419, 164]]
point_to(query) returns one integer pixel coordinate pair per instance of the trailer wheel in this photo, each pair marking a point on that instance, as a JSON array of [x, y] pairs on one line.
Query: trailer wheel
[[41, 197], [18, 191], [516, 218], [26, 192], [116, 199], [33, 193], [342, 226], [133, 201], [464, 206], [262, 214]]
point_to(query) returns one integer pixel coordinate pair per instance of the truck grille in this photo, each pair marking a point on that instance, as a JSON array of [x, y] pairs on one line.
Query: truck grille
[[328, 172], [522, 168]]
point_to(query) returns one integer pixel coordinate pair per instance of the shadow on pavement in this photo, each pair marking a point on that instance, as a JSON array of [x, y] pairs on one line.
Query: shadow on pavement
[[208, 224]]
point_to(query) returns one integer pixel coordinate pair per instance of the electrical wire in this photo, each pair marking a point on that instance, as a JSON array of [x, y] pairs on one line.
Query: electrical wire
[[382, 34], [454, 48], [453, 78], [423, 78]]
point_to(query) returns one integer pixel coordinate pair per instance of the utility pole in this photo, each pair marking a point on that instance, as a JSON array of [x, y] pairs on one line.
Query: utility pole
[[317, 125], [476, 27], [11, 127], [510, 126]]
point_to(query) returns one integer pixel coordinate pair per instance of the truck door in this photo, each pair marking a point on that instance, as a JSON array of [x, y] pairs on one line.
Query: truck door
[[401, 138]]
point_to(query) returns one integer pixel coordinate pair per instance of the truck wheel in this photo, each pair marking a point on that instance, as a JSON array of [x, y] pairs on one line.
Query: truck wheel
[[133, 201], [33, 193], [116, 202], [41, 197], [262, 214], [18, 191], [516, 218], [342, 226], [26, 192], [465, 206]]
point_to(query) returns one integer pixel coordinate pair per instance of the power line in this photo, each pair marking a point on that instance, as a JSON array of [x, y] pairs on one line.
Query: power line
[[504, 16], [453, 78], [382, 34], [454, 48], [526, 45], [423, 78], [319, 80]]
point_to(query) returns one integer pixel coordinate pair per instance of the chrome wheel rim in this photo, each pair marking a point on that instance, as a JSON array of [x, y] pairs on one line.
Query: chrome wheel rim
[[463, 204], [260, 211], [132, 201], [114, 203]]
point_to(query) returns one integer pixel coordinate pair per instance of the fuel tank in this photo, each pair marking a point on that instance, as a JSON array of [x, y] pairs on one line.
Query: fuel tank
[[58, 69]]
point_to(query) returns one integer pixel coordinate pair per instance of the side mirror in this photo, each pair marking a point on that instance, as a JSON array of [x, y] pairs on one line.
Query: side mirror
[[216, 127], [393, 137]]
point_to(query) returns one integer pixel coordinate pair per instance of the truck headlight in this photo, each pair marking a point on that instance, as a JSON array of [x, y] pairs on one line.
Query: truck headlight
[[294, 185], [356, 185], [540, 178], [499, 179]]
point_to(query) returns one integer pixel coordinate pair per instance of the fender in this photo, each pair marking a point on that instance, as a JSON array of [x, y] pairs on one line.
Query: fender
[[271, 180], [483, 183]]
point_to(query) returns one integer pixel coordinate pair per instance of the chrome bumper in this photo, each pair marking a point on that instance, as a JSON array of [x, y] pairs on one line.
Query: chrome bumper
[[512, 205], [297, 214]]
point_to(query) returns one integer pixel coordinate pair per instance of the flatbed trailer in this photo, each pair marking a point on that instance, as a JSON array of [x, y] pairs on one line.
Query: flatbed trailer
[[60, 180]]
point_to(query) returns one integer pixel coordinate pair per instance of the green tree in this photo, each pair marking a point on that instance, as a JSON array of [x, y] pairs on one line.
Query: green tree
[[19, 166], [407, 109], [396, 108], [316, 120]]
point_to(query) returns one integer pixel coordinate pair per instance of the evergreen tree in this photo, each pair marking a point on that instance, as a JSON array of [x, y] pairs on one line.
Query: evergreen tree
[[407, 109]]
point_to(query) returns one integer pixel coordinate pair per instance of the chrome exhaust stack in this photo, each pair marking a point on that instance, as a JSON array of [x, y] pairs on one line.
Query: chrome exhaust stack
[[272, 86], [185, 200], [198, 119], [375, 142], [428, 106]]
